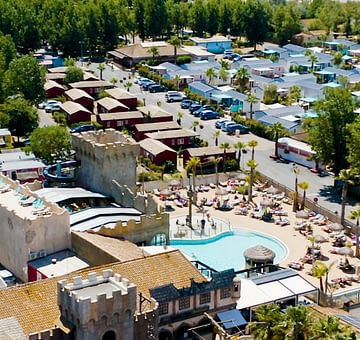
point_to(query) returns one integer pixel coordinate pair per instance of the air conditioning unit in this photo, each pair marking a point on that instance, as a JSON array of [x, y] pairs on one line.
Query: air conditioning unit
[[42, 253], [32, 255]]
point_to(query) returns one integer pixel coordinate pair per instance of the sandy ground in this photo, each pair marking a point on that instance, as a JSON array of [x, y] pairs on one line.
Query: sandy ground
[[296, 243]]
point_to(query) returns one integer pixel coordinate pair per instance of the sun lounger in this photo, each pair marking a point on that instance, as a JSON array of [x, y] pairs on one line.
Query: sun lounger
[[5, 188], [28, 201], [156, 192], [212, 186]]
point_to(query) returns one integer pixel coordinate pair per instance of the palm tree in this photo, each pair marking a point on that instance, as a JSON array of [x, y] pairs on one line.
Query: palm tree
[[179, 117], [177, 80], [128, 85], [252, 144], [345, 176], [268, 323], [191, 168], [101, 68], [319, 270], [312, 58], [224, 64], [297, 323], [276, 131], [154, 51], [175, 41], [295, 93], [211, 74], [216, 161], [303, 186], [327, 328], [251, 100], [355, 215], [113, 81], [216, 135], [242, 78], [195, 124], [223, 74], [252, 165], [240, 146], [224, 146]]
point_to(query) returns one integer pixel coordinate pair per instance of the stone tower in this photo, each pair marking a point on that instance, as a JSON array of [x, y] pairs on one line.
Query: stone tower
[[108, 163], [99, 307]]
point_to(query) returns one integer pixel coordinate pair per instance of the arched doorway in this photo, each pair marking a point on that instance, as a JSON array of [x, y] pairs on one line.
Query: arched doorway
[[164, 334], [159, 239], [109, 335]]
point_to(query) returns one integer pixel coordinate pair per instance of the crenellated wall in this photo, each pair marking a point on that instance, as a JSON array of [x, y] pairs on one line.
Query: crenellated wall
[[23, 233], [139, 232], [106, 156]]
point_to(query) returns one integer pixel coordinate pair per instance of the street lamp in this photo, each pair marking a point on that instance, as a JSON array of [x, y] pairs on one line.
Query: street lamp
[[296, 170]]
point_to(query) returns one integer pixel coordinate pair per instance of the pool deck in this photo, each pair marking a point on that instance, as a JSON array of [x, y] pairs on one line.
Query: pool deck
[[296, 243]]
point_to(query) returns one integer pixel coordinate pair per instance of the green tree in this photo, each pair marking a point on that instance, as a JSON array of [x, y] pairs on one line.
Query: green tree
[[328, 133], [240, 146], [195, 124], [303, 186], [101, 67], [312, 58], [179, 117], [216, 136], [277, 131], [268, 323], [176, 43], [114, 80], [256, 21], [251, 100], [319, 270], [353, 145], [128, 85], [225, 147], [198, 18], [223, 74], [252, 144], [51, 143], [139, 10], [355, 215], [346, 176], [191, 168], [298, 323], [270, 94], [25, 77], [294, 93], [21, 116], [154, 51], [242, 77], [73, 75], [211, 74], [252, 165], [155, 17]]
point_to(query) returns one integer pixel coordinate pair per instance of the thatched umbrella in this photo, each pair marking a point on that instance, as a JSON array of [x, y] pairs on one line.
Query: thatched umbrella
[[345, 251], [302, 214], [266, 202], [320, 239], [174, 183], [272, 190], [165, 192], [221, 192], [259, 253]]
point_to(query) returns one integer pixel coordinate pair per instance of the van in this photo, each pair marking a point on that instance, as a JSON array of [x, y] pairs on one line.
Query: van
[[174, 96], [7, 277]]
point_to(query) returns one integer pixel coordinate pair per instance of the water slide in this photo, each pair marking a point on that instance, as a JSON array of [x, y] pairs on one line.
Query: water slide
[[56, 173]]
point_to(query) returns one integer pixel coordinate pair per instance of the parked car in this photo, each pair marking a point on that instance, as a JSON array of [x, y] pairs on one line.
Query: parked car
[[218, 123], [53, 106], [7, 277], [174, 96], [47, 102], [139, 79], [226, 124], [145, 85], [209, 114], [197, 112], [233, 127], [186, 103], [156, 88], [83, 128], [193, 107]]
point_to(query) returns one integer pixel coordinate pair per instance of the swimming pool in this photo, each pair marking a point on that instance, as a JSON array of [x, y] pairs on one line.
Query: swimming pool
[[226, 252]]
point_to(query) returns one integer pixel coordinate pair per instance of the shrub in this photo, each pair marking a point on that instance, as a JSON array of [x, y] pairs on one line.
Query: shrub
[[185, 59]]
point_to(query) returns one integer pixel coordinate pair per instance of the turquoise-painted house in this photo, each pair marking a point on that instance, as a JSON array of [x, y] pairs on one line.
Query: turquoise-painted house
[[216, 44]]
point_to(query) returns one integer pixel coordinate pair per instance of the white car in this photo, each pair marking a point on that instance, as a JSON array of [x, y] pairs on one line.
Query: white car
[[47, 102], [8, 277]]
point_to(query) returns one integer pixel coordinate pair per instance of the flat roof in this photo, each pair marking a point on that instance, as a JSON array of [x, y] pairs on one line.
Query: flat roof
[[66, 262], [92, 291], [57, 195]]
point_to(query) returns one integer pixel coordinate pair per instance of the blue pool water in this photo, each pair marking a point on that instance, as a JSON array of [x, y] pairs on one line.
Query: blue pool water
[[226, 252]]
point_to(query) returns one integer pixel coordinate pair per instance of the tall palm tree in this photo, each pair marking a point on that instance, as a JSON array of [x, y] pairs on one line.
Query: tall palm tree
[[216, 161], [224, 64], [223, 74], [177, 80], [327, 327], [175, 41], [224, 146], [191, 168], [216, 135], [154, 51], [346, 176], [355, 215], [101, 68], [252, 165], [276, 131], [211, 74], [303, 186], [252, 144], [319, 270], [268, 323], [242, 77], [312, 58], [251, 100], [240, 146], [295, 93]]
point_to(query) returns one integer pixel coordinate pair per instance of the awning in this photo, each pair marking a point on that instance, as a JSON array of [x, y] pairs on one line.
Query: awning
[[231, 318]]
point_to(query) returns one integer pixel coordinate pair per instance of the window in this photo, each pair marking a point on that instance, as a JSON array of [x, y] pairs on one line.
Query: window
[[205, 298], [184, 302], [163, 308], [225, 293], [173, 142], [119, 123], [181, 141]]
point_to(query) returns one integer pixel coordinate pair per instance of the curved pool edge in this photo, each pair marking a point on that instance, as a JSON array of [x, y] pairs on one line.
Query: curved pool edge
[[204, 240]]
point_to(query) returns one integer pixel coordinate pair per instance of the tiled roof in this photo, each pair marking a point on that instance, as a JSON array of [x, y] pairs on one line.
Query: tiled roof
[[118, 93], [110, 103], [181, 133], [35, 304], [172, 125], [154, 146], [74, 94], [72, 107]]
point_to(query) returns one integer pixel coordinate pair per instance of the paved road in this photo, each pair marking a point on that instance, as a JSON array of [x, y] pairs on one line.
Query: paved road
[[320, 187]]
